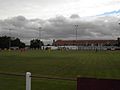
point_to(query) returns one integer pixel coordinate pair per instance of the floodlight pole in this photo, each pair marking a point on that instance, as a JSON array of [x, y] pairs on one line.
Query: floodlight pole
[[76, 28], [119, 31], [119, 37], [9, 39], [40, 37]]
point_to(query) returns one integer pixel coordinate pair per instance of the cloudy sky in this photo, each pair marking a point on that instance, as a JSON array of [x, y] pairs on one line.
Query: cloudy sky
[[58, 17]]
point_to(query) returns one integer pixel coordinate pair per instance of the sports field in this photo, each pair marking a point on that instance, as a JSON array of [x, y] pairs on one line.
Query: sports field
[[64, 64]]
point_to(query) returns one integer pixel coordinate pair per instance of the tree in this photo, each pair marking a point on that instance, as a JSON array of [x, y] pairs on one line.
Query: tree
[[4, 42], [7, 42], [118, 40], [22, 45], [35, 43], [16, 42]]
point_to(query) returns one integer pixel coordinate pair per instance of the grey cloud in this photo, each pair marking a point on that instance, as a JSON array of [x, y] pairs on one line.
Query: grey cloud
[[61, 28], [74, 16]]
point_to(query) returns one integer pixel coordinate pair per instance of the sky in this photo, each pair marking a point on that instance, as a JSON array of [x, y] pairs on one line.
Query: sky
[[50, 8], [58, 17]]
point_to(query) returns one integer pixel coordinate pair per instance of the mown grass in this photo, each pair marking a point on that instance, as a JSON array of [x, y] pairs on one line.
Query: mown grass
[[64, 64]]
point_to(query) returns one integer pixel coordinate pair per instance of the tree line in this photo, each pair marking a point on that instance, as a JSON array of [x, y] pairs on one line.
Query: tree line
[[8, 42]]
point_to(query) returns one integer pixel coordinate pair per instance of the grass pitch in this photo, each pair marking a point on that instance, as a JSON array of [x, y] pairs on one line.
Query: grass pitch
[[64, 64]]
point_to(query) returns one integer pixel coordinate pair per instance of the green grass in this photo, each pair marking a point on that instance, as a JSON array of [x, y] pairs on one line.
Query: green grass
[[65, 64]]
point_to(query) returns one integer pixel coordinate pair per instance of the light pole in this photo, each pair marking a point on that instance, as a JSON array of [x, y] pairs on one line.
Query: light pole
[[119, 37], [119, 31], [40, 37], [76, 28], [9, 38]]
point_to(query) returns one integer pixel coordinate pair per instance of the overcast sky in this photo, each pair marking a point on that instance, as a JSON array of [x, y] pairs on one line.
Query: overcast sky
[[58, 17], [51, 8]]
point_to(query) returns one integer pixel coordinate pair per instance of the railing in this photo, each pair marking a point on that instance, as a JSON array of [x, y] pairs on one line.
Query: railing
[[82, 83], [28, 76]]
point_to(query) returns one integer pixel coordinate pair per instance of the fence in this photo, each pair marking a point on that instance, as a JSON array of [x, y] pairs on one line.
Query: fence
[[82, 83], [28, 77]]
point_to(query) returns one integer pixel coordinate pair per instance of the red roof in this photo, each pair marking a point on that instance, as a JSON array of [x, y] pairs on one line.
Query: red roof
[[72, 42]]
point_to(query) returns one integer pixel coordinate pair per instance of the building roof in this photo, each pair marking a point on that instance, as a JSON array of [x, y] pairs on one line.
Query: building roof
[[71, 42]]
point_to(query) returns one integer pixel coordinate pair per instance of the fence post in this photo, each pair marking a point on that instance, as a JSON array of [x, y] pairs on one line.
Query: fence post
[[28, 81]]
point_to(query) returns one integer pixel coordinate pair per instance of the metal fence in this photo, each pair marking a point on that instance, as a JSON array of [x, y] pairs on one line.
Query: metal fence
[[29, 76], [82, 83]]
